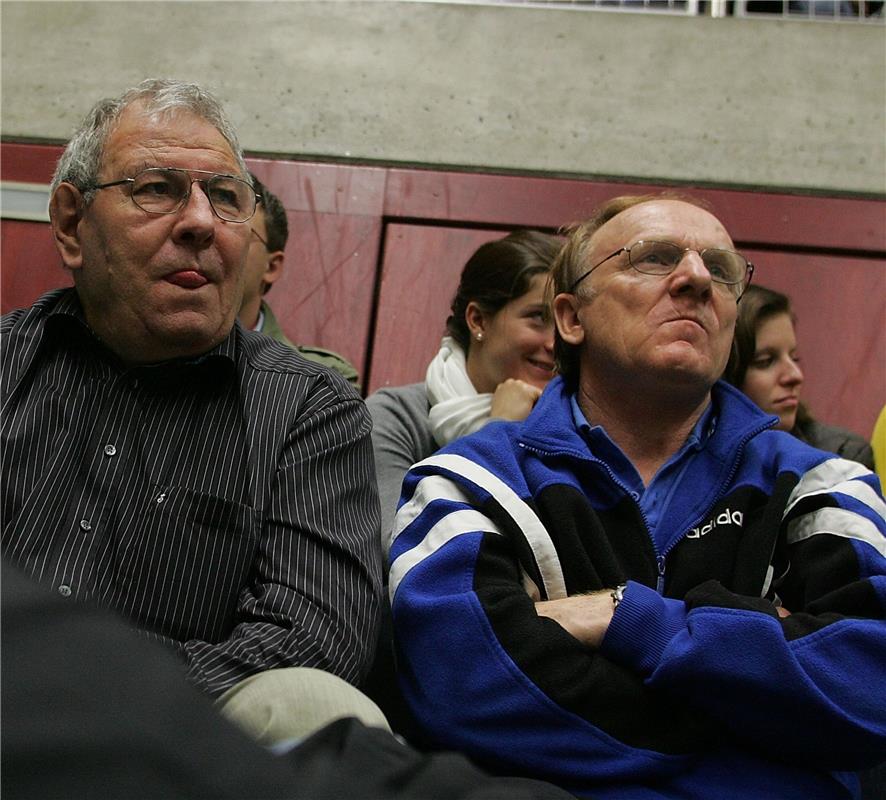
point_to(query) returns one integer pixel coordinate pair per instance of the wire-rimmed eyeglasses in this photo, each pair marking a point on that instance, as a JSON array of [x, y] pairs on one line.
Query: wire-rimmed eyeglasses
[[726, 267], [261, 239], [165, 190]]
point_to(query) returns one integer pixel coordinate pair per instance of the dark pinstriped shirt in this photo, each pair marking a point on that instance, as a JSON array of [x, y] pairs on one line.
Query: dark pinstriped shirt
[[227, 505]]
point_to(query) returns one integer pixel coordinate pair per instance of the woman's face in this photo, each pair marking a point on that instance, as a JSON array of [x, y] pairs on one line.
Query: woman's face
[[774, 377], [515, 342]]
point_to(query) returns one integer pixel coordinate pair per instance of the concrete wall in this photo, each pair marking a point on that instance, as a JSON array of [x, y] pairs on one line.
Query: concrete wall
[[777, 104]]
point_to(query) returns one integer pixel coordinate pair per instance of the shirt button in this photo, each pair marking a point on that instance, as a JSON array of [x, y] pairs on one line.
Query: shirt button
[[64, 590], [110, 450], [85, 525]]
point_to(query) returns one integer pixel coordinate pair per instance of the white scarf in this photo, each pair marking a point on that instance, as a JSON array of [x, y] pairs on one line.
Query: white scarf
[[456, 407]]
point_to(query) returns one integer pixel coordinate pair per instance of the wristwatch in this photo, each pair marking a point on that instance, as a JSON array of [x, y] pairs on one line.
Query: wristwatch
[[617, 595]]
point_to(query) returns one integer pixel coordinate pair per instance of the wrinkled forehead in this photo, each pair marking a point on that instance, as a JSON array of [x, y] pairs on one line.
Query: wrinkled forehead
[[143, 136], [665, 220]]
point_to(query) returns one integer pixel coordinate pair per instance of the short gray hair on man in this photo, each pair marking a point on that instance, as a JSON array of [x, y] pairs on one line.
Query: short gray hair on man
[[82, 160]]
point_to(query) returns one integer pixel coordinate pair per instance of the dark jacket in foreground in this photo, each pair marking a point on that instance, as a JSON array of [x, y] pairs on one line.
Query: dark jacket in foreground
[[93, 712], [225, 504], [699, 690]]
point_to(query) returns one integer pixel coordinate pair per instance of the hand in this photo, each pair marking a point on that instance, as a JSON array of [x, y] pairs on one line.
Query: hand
[[584, 616], [514, 399]]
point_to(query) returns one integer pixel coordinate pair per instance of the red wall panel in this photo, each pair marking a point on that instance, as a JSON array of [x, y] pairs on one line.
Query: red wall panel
[[29, 263], [32, 163], [385, 311], [325, 294], [420, 271], [764, 218]]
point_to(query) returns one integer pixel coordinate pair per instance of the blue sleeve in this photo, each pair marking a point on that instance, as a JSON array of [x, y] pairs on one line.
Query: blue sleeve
[[810, 687]]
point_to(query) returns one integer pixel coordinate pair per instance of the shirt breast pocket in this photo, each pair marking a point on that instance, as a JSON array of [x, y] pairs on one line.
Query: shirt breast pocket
[[182, 569]]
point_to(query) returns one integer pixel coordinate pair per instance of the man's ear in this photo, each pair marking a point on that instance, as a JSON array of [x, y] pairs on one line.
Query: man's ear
[[65, 212], [274, 269], [565, 308]]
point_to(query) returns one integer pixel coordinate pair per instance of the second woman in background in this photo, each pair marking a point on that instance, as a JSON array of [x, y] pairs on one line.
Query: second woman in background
[[493, 363], [765, 366]]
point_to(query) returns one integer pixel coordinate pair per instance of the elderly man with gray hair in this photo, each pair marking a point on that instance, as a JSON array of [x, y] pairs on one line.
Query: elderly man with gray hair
[[205, 482]]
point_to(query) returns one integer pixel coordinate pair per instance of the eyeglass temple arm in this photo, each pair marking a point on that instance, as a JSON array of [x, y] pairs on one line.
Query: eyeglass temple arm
[[110, 184]]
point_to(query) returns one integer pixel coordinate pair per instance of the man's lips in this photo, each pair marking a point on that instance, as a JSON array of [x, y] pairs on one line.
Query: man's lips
[[686, 328], [694, 320], [187, 279]]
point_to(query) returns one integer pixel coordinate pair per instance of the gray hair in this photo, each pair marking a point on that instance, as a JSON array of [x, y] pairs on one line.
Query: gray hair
[[82, 160]]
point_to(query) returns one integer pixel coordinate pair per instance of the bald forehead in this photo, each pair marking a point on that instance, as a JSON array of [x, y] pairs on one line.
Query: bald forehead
[[664, 220]]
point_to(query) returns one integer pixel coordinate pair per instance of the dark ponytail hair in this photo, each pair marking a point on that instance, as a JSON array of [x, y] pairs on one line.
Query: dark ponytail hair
[[497, 273]]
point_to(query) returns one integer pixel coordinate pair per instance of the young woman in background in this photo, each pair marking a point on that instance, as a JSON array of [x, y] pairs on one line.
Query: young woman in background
[[493, 362], [765, 366]]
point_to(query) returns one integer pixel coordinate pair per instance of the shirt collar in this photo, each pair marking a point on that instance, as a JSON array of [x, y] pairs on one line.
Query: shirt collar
[[698, 437], [67, 321], [260, 323]]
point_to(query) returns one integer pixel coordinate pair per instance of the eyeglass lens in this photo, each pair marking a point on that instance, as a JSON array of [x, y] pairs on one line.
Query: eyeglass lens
[[162, 191], [660, 258]]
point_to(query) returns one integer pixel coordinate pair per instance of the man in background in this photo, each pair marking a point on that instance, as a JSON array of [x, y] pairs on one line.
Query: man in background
[[264, 265]]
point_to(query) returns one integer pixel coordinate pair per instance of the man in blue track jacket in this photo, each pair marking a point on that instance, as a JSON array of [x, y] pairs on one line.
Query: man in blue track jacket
[[643, 591]]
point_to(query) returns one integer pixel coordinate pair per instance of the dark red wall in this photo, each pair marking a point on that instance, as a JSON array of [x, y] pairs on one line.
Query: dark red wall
[[374, 255]]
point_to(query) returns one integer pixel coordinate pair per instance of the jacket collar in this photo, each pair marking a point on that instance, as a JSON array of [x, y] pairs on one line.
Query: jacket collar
[[550, 426]]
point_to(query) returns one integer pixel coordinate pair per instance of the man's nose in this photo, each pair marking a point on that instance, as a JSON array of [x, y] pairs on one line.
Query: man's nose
[[691, 272], [196, 219]]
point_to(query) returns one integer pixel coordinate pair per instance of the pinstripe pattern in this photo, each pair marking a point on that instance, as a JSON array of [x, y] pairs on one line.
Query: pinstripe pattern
[[227, 506]]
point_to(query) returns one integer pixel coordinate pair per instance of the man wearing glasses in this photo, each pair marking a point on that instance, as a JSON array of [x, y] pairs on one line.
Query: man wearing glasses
[[643, 591], [203, 481], [264, 265]]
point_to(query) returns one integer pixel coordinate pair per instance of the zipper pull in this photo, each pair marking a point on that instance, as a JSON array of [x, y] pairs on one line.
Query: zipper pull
[[659, 584]]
